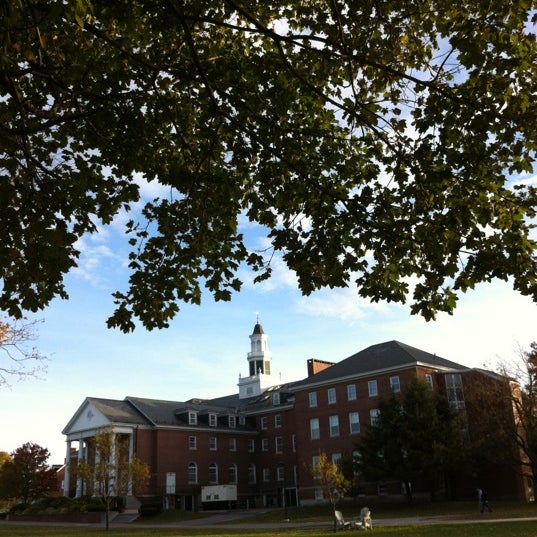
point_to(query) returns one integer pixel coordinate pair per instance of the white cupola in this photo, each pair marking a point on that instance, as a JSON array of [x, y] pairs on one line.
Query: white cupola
[[259, 365]]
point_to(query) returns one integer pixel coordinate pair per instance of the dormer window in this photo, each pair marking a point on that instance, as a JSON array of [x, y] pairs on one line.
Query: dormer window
[[276, 398], [212, 419], [192, 417], [232, 422]]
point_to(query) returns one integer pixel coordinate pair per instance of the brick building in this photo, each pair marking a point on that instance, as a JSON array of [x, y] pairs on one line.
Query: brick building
[[265, 438]]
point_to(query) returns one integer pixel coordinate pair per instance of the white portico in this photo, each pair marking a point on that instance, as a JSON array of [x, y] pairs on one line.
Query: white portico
[[94, 416]]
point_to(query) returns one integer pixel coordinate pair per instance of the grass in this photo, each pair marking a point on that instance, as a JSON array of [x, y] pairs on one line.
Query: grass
[[499, 529], [465, 511]]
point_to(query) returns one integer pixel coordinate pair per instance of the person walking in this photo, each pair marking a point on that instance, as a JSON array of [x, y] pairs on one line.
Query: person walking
[[485, 502]]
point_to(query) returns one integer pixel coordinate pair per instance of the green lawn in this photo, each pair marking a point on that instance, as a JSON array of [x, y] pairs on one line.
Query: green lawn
[[503, 529], [466, 511]]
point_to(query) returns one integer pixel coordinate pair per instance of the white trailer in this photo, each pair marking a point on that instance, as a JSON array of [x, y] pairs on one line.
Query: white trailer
[[214, 496]]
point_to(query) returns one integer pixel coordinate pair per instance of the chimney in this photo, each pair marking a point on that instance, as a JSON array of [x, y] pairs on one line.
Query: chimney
[[316, 366]]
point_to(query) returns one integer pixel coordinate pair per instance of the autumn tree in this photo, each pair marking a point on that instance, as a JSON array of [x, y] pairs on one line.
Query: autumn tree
[[27, 475], [415, 438], [374, 144], [17, 358], [331, 479], [110, 473]]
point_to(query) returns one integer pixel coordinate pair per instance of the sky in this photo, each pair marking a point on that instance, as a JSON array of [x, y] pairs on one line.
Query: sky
[[205, 349]]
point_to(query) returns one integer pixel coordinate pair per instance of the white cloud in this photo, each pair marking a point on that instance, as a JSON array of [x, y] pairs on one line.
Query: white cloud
[[343, 304]]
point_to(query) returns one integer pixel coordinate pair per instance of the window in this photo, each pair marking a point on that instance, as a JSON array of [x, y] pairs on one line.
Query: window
[[314, 465], [276, 398], [266, 474], [232, 444], [170, 483], [315, 433], [192, 418], [232, 421], [264, 444], [356, 461], [394, 384], [337, 459], [264, 422], [331, 396], [319, 493], [454, 391], [429, 380], [279, 444], [212, 420], [192, 442], [334, 425], [251, 474], [277, 420], [374, 414], [212, 443], [354, 423], [251, 445], [192, 472], [280, 473], [242, 420], [372, 388], [213, 473], [232, 473], [313, 399], [351, 392]]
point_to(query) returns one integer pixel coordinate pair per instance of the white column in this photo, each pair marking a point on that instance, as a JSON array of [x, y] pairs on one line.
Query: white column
[[131, 454], [67, 471], [78, 493]]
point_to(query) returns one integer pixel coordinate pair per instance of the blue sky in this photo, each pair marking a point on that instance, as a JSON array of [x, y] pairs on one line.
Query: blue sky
[[204, 350]]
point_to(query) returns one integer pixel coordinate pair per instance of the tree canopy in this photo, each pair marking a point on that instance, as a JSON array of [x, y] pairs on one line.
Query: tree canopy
[[376, 142], [27, 475]]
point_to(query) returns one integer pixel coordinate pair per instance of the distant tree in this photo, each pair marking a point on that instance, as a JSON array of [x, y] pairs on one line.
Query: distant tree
[[109, 473], [331, 479], [508, 436], [415, 437], [27, 476], [4, 457], [372, 143], [17, 358]]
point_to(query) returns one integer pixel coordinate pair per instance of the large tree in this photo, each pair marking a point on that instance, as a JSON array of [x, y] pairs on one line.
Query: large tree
[[27, 476], [18, 359], [415, 438], [374, 141]]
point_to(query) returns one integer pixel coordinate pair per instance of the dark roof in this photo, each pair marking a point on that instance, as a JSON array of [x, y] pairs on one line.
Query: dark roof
[[391, 355], [388, 355], [118, 411], [258, 329]]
